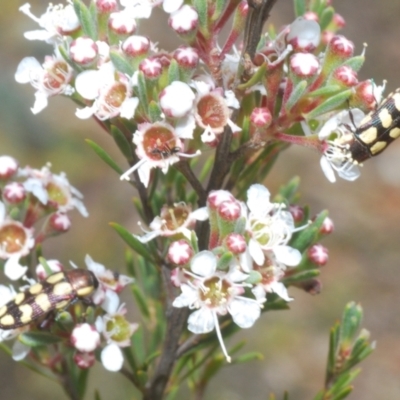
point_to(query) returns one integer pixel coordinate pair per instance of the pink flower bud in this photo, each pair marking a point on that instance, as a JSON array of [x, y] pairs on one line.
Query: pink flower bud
[[327, 226], [216, 197], [261, 117], [84, 360], [106, 6], [180, 252], [186, 57], [345, 76], [85, 337], [304, 35], [341, 46], [60, 222], [151, 68], [121, 23], [304, 65], [318, 254], [14, 193], [236, 243], [297, 212], [8, 167], [83, 50], [184, 20], [176, 100], [136, 45], [229, 210]]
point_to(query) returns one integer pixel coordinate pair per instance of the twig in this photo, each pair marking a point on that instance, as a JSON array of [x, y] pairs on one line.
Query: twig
[[258, 14]]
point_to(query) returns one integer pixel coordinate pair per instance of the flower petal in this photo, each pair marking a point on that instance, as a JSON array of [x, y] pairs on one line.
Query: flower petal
[[201, 321]]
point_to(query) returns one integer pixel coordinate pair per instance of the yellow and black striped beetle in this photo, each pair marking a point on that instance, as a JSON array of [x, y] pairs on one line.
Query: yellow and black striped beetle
[[56, 292], [377, 129]]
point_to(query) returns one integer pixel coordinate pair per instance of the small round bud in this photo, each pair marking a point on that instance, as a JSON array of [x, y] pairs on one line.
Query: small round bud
[[14, 193], [297, 212], [85, 337], [184, 21], [318, 254], [121, 23], [180, 252], [236, 243], [8, 167], [338, 21], [229, 210], [304, 35], [327, 226], [84, 360], [261, 117], [186, 57], [311, 16], [83, 50], [106, 6], [136, 45], [177, 99], [364, 96], [312, 286], [60, 222], [304, 65], [341, 46], [345, 76], [216, 197], [151, 68]]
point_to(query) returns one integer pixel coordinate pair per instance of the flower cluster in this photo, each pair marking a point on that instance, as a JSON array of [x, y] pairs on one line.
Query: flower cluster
[[34, 205], [247, 257], [105, 326]]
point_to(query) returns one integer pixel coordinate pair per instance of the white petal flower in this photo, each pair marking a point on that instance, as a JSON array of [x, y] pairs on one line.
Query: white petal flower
[[112, 358]]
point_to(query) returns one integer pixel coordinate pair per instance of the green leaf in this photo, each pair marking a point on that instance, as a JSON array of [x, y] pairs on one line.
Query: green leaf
[[46, 266], [154, 111], [122, 143], [224, 261], [300, 277], [120, 63], [173, 72], [104, 156], [88, 23], [251, 356], [296, 94], [288, 192], [142, 92], [132, 242], [325, 91], [201, 7], [141, 301], [330, 104], [257, 77], [139, 346], [35, 339], [299, 7], [355, 63], [326, 17], [351, 321]]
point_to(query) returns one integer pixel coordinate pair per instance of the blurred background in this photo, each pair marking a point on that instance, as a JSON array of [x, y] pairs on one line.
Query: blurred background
[[364, 263]]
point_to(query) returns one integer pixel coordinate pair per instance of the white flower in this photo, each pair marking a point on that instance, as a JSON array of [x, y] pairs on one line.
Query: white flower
[[110, 284], [157, 146], [270, 228], [85, 337], [53, 190], [49, 79], [111, 97], [214, 293], [16, 241], [174, 220], [117, 331], [336, 155], [56, 22]]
